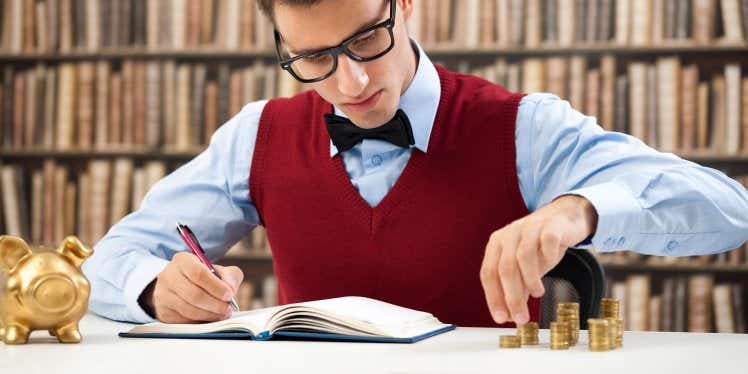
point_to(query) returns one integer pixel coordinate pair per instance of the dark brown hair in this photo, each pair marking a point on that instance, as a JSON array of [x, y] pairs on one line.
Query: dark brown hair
[[266, 6]]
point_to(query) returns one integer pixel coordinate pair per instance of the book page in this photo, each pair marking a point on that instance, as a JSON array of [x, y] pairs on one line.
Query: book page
[[370, 316]]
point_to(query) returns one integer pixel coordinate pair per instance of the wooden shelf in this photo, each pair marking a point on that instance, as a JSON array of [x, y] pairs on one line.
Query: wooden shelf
[[138, 53], [110, 152], [186, 154], [615, 267], [712, 157], [440, 51], [589, 49]]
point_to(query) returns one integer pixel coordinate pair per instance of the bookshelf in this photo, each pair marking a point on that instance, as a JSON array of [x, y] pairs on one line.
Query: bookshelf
[[436, 51], [209, 57], [684, 268]]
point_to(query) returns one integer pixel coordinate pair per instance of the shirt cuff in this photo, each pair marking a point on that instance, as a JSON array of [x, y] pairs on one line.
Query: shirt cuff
[[148, 268], [617, 214]]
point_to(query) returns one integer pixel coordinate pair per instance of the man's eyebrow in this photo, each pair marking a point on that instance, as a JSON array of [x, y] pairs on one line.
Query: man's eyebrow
[[362, 28]]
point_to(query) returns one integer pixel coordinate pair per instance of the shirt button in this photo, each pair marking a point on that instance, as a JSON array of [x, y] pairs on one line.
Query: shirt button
[[376, 160], [671, 245]]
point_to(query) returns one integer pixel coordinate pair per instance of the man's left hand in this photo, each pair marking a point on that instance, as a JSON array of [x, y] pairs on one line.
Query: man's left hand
[[519, 254]]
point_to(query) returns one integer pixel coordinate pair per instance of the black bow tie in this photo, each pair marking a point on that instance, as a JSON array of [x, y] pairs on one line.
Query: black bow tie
[[345, 134]]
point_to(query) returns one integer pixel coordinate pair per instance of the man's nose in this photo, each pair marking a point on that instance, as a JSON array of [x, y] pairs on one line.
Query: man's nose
[[351, 76]]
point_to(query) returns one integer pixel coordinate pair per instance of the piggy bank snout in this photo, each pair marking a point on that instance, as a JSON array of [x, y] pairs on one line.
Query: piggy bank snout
[[54, 293]]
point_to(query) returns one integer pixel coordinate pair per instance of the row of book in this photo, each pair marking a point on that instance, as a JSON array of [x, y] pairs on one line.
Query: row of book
[[48, 26], [696, 303], [670, 105], [47, 203], [566, 23], [253, 245], [92, 25], [264, 294], [95, 105]]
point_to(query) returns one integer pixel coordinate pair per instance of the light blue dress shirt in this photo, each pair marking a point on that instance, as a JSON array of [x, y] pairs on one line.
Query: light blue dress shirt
[[647, 201]]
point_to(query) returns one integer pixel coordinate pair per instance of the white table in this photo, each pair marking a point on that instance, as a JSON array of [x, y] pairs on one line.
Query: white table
[[463, 350]]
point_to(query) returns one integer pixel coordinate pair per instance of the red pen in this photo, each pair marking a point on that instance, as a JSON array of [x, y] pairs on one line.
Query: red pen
[[191, 240]]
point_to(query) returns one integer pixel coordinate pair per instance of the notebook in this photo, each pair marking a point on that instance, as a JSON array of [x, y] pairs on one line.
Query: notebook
[[350, 318]]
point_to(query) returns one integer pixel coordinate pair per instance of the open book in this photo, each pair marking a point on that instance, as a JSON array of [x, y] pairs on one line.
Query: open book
[[351, 318]]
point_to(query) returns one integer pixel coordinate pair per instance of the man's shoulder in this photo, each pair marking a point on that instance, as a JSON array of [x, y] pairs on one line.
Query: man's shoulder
[[540, 97]]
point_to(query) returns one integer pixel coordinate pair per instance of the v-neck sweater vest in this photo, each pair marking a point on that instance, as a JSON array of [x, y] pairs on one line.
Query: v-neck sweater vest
[[422, 246]]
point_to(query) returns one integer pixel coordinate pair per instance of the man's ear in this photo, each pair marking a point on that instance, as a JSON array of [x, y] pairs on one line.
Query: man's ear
[[74, 250], [12, 250]]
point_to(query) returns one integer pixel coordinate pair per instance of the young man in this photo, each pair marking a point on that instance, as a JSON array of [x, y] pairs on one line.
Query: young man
[[422, 197]]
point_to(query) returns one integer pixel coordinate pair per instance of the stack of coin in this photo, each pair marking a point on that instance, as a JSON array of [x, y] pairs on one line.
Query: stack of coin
[[599, 335], [559, 335], [616, 332], [609, 308], [509, 341], [569, 312], [528, 333]]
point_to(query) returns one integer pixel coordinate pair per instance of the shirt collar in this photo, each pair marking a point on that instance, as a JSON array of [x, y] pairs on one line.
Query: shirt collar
[[419, 101]]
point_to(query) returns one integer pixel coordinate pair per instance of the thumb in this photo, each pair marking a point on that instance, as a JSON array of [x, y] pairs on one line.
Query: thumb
[[232, 275]]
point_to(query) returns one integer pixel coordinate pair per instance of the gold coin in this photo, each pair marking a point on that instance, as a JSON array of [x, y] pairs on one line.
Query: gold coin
[[609, 308], [599, 335], [509, 341], [528, 333], [559, 335]]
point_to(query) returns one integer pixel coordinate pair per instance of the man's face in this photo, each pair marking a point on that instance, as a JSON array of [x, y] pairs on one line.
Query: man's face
[[367, 92]]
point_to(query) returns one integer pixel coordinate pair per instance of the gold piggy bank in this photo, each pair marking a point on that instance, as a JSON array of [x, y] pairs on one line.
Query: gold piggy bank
[[42, 291]]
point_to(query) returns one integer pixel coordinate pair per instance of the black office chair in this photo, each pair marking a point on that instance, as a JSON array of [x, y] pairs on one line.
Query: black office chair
[[577, 278]]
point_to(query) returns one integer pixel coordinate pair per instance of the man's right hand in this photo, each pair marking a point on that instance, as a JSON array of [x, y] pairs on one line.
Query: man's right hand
[[187, 292]]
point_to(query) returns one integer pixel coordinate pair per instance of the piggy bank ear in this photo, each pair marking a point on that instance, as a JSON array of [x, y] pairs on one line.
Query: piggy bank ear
[[12, 250], [74, 250]]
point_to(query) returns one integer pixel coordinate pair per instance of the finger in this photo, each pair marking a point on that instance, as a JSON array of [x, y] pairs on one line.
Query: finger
[[232, 275], [200, 275], [197, 296], [191, 312], [511, 280], [529, 262], [489, 277]]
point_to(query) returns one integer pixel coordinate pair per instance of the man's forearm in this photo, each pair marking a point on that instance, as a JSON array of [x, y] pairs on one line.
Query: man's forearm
[[118, 277]]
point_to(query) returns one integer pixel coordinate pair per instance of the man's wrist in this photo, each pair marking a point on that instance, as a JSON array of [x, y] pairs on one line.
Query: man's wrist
[[584, 212], [590, 215]]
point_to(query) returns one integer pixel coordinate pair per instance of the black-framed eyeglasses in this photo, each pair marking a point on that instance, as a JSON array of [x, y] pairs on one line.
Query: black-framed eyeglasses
[[369, 44]]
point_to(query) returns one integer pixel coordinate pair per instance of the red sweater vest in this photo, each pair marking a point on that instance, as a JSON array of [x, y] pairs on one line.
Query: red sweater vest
[[422, 246]]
